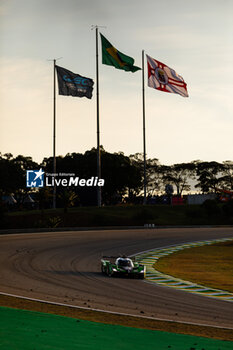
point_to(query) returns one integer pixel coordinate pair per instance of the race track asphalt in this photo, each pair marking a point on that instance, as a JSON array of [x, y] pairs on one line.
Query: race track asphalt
[[64, 267]]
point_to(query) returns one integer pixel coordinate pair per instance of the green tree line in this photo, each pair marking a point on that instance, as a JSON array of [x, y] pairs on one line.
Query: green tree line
[[123, 177]]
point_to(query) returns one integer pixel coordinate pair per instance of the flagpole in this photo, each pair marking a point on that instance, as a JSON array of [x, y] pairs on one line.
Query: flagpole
[[54, 130], [144, 131], [98, 122], [54, 126]]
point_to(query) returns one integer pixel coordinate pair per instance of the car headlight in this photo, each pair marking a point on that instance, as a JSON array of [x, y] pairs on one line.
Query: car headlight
[[114, 270]]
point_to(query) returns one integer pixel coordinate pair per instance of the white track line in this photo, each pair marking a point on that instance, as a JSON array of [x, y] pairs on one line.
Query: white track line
[[112, 312]]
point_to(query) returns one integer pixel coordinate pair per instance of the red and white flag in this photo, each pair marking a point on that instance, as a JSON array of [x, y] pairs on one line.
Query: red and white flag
[[163, 78]]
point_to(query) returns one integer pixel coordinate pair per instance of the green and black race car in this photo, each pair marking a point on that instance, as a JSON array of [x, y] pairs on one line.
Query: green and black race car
[[122, 266]]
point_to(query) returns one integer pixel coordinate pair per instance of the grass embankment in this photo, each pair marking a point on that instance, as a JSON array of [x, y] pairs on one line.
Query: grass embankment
[[22, 329], [211, 266], [92, 217], [114, 319], [125, 215]]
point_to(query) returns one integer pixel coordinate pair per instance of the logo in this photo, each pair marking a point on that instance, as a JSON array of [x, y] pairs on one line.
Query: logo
[[76, 80], [35, 178], [161, 76], [38, 178]]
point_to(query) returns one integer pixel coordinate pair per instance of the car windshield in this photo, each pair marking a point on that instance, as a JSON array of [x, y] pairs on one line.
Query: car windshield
[[124, 262]]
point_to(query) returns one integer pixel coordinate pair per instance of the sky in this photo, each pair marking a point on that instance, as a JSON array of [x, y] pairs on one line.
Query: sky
[[193, 37]]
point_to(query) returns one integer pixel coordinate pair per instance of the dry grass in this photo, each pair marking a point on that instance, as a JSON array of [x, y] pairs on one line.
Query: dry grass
[[211, 266]]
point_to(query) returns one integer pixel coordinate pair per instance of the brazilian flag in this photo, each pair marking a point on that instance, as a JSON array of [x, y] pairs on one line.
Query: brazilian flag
[[115, 58]]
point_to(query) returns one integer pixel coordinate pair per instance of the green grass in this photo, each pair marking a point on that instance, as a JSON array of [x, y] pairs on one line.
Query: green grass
[[21, 329], [93, 216], [125, 215]]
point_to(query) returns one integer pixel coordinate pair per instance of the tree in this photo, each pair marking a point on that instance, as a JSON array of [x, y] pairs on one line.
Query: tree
[[208, 175], [68, 199], [154, 175], [179, 176], [122, 176], [44, 197], [226, 180], [13, 173], [120, 173]]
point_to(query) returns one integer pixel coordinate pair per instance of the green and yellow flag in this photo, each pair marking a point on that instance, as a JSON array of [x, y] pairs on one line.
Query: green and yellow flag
[[112, 57]]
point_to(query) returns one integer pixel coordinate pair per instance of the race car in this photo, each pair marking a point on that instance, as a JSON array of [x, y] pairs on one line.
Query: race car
[[123, 266]]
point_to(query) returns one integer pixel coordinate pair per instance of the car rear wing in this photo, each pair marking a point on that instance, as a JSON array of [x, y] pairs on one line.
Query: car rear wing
[[119, 256]]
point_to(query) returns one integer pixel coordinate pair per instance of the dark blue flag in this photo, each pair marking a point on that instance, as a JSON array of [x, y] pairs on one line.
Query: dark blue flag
[[71, 84]]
